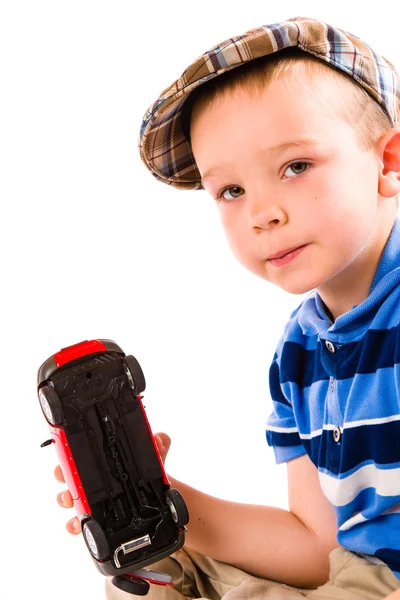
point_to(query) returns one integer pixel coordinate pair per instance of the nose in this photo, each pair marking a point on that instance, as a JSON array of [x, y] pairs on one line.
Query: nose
[[266, 214]]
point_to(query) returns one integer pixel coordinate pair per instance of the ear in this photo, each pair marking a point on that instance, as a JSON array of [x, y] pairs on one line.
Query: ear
[[389, 154]]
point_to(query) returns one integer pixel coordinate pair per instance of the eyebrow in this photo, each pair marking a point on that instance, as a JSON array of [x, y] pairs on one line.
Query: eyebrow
[[278, 148]]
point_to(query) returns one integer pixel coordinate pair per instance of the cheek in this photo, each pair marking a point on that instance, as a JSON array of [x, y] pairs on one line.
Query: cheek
[[228, 224], [236, 233], [340, 198]]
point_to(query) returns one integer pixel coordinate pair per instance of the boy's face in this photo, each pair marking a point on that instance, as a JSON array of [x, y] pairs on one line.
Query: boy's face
[[321, 198]]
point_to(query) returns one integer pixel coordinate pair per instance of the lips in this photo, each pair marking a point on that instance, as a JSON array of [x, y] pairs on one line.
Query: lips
[[284, 252]]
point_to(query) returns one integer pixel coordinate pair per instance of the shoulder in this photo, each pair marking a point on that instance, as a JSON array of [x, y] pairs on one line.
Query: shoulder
[[297, 351], [294, 331]]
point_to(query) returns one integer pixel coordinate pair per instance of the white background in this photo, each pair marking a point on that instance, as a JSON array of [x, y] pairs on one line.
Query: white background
[[92, 246]]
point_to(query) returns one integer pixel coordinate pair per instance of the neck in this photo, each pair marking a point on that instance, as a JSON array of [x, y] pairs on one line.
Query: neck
[[352, 286]]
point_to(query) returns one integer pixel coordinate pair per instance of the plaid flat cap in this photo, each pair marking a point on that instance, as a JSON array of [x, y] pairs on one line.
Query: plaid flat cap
[[163, 145]]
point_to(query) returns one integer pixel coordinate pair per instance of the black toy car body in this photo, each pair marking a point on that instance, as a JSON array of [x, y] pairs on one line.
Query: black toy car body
[[90, 394]]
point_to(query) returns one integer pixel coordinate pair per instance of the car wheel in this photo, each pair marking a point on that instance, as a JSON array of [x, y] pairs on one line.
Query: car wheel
[[177, 506], [132, 585], [134, 373], [95, 539], [51, 405]]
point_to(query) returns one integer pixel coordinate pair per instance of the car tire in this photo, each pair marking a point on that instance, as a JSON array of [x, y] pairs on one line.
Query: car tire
[[51, 405], [131, 585], [135, 374], [95, 539], [178, 508]]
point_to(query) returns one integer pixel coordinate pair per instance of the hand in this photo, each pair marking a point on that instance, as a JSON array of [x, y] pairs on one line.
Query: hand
[[64, 498]]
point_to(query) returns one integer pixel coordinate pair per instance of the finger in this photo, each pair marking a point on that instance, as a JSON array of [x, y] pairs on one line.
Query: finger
[[163, 442], [58, 474], [64, 499], [74, 526]]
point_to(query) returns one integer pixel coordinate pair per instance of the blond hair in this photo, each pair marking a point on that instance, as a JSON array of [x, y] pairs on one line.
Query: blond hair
[[358, 108]]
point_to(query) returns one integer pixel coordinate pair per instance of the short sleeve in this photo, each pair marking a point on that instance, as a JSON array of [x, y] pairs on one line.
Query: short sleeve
[[281, 429]]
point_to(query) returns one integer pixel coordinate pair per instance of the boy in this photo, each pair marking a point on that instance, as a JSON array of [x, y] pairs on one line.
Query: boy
[[240, 123]]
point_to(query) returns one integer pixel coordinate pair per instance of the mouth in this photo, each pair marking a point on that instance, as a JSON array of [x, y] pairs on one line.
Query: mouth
[[285, 256], [284, 252]]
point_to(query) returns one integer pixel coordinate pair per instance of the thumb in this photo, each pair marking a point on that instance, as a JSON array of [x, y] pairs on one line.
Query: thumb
[[163, 442]]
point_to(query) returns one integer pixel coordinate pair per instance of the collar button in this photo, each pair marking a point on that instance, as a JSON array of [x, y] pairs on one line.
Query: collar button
[[330, 346]]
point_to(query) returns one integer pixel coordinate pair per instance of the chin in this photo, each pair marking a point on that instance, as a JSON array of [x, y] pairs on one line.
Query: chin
[[289, 286], [298, 291], [297, 287]]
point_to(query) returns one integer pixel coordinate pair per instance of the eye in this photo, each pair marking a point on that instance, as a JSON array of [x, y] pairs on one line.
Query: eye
[[230, 193], [298, 168]]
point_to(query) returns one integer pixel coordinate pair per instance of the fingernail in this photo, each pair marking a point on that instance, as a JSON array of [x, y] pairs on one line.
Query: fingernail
[[75, 526]]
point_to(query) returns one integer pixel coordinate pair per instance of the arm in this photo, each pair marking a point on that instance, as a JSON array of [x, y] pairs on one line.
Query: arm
[[287, 546], [291, 546]]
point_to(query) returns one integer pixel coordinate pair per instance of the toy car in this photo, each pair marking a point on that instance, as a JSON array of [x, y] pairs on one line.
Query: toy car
[[90, 394]]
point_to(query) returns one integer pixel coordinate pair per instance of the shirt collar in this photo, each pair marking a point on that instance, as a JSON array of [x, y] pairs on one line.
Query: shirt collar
[[390, 258]]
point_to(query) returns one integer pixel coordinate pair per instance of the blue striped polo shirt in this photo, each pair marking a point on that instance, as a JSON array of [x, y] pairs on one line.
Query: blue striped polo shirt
[[335, 389]]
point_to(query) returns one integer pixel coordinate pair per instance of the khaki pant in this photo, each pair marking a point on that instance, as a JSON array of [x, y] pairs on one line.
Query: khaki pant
[[196, 576]]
